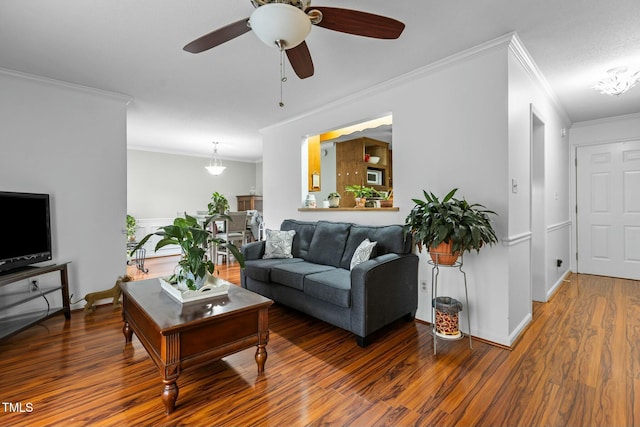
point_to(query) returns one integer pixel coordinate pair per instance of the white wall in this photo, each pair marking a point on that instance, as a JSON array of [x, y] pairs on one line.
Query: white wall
[[328, 176], [70, 141], [259, 178], [161, 185], [449, 130], [452, 128], [613, 129], [527, 96]]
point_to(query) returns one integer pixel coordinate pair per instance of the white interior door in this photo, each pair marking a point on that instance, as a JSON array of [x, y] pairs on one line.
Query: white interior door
[[608, 196]]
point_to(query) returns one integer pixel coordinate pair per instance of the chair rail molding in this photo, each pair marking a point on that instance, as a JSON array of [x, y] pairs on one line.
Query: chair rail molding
[[517, 239], [559, 226]]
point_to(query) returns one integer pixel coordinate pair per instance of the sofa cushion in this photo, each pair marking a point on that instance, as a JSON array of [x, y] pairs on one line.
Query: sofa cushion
[[390, 239], [333, 286], [362, 253], [278, 244], [304, 233], [260, 269], [327, 245], [293, 274]]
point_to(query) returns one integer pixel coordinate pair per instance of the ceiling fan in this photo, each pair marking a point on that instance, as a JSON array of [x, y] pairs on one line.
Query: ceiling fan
[[286, 23]]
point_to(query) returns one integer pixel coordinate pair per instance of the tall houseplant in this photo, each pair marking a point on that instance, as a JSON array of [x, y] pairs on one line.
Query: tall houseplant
[[192, 237], [451, 222]]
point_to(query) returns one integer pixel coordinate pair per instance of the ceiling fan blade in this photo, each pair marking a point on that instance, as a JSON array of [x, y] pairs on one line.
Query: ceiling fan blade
[[359, 23], [218, 36], [300, 59]]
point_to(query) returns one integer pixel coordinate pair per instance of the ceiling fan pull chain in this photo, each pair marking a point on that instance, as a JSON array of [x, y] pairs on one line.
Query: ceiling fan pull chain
[[283, 77]]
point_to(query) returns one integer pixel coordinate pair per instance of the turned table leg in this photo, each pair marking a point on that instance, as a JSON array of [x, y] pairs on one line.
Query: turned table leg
[[127, 331], [263, 338], [169, 395], [261, 357]]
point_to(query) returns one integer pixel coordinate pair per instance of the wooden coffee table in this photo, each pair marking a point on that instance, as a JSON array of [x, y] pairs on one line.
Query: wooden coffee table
[[178, 336]]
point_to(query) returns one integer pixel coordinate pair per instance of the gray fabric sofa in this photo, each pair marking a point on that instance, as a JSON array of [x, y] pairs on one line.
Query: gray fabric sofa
[[318, 281]]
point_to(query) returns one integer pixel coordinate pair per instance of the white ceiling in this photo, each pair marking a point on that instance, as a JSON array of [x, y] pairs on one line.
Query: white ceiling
[[182, 102]]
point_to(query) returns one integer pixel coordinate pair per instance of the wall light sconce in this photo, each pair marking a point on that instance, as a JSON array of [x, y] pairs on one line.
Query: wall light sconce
[[618, 81]]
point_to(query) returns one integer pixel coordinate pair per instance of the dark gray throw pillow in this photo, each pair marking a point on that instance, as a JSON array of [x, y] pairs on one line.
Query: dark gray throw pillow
[[328, 242]]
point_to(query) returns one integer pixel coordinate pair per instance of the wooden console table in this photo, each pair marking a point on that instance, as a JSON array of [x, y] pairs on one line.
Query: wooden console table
[[179, 336]]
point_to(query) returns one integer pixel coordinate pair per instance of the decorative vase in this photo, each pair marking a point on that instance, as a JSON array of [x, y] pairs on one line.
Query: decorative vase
[[361, 202], [310, 201], [442, 253], [334, 202]]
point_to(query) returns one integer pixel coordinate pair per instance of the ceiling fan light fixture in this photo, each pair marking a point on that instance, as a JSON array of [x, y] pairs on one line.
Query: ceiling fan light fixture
[[278, 22], [215, 164], [618, 81]]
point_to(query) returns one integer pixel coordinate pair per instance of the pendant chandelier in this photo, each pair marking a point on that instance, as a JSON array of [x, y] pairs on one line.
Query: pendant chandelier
[[215, 164]]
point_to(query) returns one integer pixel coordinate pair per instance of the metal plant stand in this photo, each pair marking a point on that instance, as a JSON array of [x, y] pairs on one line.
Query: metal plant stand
[[435, 271], [139, 257]]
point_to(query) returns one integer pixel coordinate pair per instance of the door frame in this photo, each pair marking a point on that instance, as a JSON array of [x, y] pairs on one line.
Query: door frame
[[575, 261], [537, 216]]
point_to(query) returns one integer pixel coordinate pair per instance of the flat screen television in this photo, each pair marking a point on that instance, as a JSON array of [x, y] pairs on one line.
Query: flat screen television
[[26, 230]]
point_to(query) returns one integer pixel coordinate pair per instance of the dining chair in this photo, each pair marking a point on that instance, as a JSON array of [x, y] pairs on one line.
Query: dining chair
[[235, 231]]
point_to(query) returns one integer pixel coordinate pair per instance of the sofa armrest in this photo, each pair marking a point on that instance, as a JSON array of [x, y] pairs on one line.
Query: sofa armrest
[[253, 250], [383, 290]]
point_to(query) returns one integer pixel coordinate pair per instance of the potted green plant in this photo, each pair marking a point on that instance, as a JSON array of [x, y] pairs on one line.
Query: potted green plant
[[218, 204], [449, 227], [387, 199], [192, 238], [334, 200], [131, 228], [361, 193]]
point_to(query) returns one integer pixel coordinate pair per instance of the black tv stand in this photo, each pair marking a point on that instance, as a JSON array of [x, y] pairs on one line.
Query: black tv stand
[[15, 323]]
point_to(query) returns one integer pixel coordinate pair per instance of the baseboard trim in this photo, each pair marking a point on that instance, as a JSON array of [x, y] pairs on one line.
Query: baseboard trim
[[518, 332], [556, 285]]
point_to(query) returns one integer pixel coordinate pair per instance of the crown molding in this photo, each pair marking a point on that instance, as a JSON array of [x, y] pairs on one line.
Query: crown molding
[[66, 85], [522, 55], [509, 40], [481, 49], [625, 117], [177, 152]]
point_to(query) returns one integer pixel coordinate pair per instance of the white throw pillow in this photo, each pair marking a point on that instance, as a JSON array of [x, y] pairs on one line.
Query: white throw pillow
[[278, 244], [362, 253]]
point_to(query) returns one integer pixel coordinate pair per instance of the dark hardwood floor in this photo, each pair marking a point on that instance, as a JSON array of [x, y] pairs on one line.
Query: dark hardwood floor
[[578, 364]]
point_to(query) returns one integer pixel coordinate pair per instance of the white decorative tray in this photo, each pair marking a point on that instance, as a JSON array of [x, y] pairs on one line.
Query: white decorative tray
[[207, 291]]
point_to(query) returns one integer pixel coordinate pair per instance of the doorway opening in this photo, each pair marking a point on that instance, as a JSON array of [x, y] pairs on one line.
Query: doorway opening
[[538, 221]]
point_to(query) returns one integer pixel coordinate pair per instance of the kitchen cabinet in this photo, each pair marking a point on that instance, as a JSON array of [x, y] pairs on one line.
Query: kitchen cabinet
[[352, 168]]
